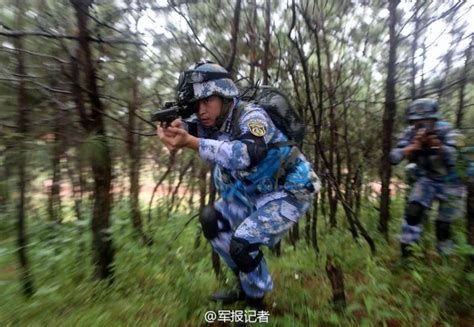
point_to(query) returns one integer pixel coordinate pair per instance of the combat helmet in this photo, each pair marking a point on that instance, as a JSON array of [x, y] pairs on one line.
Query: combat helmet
[[423, 108], [204, 80]]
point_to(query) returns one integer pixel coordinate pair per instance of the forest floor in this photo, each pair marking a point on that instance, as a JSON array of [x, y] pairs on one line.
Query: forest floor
[[168, 283]]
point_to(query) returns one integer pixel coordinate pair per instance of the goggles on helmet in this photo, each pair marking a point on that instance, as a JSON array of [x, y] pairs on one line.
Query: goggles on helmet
[[194, 76]]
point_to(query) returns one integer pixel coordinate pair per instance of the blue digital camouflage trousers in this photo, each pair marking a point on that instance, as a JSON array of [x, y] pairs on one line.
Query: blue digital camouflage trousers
[[425, 191], [266, 225]]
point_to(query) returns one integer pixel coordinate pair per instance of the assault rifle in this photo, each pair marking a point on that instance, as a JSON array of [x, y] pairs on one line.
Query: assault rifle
[[172, 111], [427, 133]]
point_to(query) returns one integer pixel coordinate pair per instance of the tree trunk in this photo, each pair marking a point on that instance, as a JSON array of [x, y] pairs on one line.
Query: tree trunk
[[336, 277], [421, 89], [171, 163], [334, 159], [54, 202], [470, 183], [311, 226], [22, 128], [203, 183], [202, 186], [101, 161], [266, 42], [235, 36], [332, 198], [307, 227], [183, 172], [276, 249], [358, 189], [252, 26], [388, 121], [75, 185], [314, 225], [192, 187], [318, 121], [463, 82], [134, 153], [470, 219], [295, 233], [414, 47], [216, 260]]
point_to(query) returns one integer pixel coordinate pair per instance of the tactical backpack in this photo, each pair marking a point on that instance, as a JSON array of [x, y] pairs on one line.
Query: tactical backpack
[[278, 107]]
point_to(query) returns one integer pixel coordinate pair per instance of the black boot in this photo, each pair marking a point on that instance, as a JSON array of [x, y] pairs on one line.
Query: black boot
[[406, 250], [403, 262], [228, 296], [255, 303]]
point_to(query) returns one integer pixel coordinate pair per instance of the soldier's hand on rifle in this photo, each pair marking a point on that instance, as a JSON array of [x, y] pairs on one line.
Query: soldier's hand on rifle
[[433, 141], [172, 136], [417, 142], [176, 137]]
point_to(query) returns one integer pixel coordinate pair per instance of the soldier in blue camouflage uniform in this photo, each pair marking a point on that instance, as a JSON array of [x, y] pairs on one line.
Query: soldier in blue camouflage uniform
[[265, 184], [430, 143]]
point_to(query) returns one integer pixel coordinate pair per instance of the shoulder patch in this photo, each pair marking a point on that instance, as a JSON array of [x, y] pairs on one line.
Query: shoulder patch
[[257, 128]]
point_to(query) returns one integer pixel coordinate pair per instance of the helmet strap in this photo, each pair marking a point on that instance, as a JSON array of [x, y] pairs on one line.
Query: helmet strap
[[225, 110]]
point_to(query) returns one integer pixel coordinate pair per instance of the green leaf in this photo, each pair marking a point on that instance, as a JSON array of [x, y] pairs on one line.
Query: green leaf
[[470, 277], [417, 276], [359, 289], [466, 250], [369, 303], [353, 307], [47, 289], [366, 323], [334, 318]]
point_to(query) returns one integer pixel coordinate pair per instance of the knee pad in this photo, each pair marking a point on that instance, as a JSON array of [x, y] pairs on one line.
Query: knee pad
[[209, 218], [414, 213], [240, 250], [443, 230], [410, 233]]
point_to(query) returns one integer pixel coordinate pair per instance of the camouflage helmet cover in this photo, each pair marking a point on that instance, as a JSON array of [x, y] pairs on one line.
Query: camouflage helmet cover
[[204, 80], [423, 108]]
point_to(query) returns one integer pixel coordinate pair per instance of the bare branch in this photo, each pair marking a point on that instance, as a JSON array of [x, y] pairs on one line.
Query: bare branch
[[38, 54], [16, 34], [193, 30], [46, 87]]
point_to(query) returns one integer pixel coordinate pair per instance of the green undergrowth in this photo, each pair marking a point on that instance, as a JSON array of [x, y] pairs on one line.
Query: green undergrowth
[[168, 283]]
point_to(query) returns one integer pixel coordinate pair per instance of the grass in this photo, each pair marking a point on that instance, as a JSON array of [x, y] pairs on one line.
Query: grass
[[168, 284]]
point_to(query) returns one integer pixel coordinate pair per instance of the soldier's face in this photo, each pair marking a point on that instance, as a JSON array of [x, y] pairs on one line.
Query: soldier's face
[[209, 110]]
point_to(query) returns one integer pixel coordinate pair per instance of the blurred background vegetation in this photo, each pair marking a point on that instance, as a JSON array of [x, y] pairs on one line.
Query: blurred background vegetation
[[97, 219]]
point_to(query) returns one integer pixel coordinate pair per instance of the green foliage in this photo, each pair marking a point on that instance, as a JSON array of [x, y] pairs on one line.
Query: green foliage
[[168, 284], [93, 149]]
